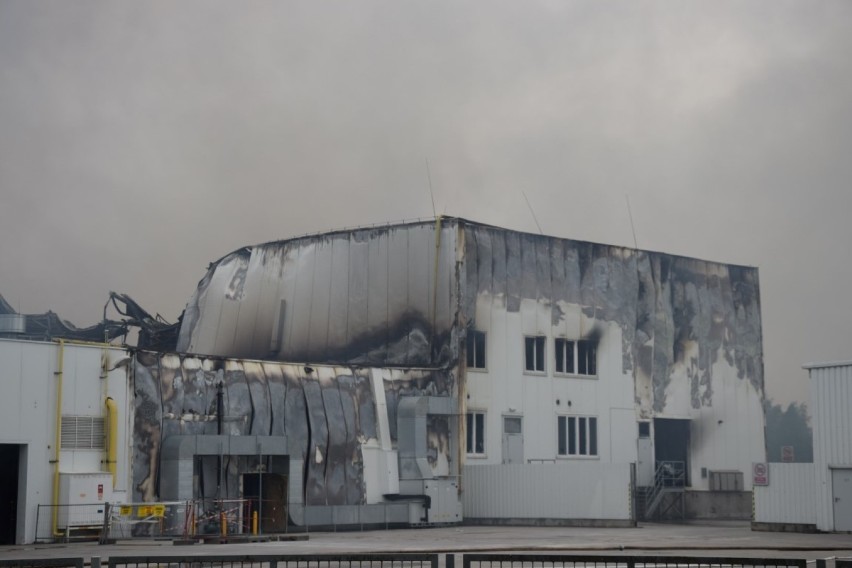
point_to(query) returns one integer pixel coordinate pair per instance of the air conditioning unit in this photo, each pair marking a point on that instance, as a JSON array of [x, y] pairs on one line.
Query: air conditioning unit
[[83, 498]]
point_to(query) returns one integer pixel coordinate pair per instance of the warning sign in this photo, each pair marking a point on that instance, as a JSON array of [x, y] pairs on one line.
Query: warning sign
[[146, 511], [760, 473], [787, 454], [125, 510]]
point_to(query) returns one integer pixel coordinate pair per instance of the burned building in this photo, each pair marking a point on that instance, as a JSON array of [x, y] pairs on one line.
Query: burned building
[[438, 371], [637, 375]]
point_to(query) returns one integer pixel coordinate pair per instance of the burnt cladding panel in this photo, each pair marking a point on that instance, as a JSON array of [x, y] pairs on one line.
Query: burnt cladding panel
[[646, 315], [232, 291], [238, 409], [573, 273], [421, 243], [316, 460], [147, 422], [349, 401], [484, 263], [557, 279], [513, 272], [214, 373], [245, 341], [298, 316], [172, 394], [320, 299], [529, 284], [336, 455], [339, 300], [663, 332], [543, 269], [195, 393], [289, 255], [210, 300], [498, 259], [398, 310], [359, 253], [266, 320], [261, 419], [277, 399], [377, 299], [443, 351], [295, 415], [471, 268]]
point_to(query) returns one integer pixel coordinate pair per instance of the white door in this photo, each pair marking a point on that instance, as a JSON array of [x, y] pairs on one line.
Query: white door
[[513, 440], [841, 489], [645, 455]]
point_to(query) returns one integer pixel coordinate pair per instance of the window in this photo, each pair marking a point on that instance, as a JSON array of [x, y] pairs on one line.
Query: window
[[576, 357], [512, 425], [475, 349], [577, 436], [476, 433], [644, 429], [534, 353]]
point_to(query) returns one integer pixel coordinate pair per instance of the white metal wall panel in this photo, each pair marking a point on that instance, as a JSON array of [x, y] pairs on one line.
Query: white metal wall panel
[[831, 400], [28, 413], [790, 497], [580, 490]]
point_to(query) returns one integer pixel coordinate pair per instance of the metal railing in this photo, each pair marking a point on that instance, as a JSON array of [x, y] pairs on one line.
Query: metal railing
[[670, 477], [71, 520], [43, 563], [427, 560], [372, 560], [620, 561]]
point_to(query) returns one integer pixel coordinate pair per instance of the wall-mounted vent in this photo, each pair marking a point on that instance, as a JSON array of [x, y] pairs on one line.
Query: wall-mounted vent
[[13, 323], [83, 433], [726, 481]]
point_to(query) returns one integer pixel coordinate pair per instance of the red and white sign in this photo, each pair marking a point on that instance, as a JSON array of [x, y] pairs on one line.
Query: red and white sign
[[100, 492], [787, 454], [760, 473]]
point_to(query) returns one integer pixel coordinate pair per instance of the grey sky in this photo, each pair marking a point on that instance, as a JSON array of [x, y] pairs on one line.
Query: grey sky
[[140, 141]]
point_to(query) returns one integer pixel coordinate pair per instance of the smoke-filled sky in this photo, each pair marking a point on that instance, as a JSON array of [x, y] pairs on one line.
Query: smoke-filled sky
[[140, 141]]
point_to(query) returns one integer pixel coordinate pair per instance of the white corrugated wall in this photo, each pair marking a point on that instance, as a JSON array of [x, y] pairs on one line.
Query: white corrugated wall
[[790, 496], [582, 490], [831, 400]]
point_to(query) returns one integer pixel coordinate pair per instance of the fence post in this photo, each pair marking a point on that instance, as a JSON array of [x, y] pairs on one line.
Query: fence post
[[449, 560], [96, 562], [104, 530]]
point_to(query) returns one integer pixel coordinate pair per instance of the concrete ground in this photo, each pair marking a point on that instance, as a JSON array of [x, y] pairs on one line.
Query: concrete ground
[[731, 539]]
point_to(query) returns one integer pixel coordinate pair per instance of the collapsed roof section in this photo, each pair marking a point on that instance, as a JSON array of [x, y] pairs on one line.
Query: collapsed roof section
[[154, 332]]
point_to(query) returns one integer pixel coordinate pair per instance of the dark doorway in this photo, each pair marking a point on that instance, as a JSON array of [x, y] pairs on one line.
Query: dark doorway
[[268, 495], [671, 443], [10, 460]]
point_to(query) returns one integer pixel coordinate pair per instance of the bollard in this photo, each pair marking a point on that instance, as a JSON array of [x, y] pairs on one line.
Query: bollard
[[223, 524], [254, 522]]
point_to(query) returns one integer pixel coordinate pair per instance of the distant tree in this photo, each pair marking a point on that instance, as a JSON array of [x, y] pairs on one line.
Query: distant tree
[[788, 427]]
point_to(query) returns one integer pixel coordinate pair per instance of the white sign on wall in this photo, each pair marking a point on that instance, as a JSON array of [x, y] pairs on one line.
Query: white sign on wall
[[760, 473]]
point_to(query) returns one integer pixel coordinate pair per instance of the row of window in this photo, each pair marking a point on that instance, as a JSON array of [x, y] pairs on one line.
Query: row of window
[[575, 435], [571, 357]]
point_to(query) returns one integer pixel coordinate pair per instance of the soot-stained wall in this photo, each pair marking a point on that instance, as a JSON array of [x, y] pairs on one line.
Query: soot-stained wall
[[404, 295], [377, 297], [678, 316], [326, 414]]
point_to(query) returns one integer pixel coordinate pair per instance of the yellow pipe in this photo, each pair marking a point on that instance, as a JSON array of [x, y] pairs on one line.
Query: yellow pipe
[[57, 444], [112, 437]]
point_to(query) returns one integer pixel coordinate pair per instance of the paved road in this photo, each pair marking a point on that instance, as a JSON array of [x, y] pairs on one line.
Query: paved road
[[716, 539]]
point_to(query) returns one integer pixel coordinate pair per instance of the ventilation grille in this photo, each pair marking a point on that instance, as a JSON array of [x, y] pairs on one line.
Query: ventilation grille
[[83, 433]]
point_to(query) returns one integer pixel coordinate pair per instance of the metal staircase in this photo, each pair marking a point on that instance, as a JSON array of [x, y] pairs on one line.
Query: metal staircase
[[667, 492]]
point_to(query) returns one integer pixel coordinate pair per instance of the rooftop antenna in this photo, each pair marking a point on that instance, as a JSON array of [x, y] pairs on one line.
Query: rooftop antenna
[[431, 193], [632, 227], [531, 211]]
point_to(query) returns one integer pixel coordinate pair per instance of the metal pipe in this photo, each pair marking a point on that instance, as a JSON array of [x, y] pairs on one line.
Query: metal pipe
[[57, 444], [112, 437]]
